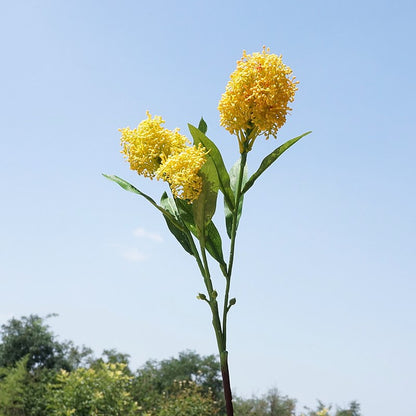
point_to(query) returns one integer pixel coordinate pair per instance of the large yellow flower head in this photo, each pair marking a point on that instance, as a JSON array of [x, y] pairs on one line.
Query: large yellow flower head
[[146, 146], [181, 171], [256, 98]]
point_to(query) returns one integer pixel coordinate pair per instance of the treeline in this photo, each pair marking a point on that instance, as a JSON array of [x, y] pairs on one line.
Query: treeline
[[41, 376]]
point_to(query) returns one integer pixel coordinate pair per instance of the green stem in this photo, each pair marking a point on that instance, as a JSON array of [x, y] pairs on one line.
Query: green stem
[[216, 323], [193, 247], [235, 214], [225, 309], [204, 269], [224, 353], [234, 226], [219, 333], [196, 253], [226, 383]]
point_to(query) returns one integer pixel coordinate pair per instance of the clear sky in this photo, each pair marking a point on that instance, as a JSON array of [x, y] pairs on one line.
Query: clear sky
[[325, 269]]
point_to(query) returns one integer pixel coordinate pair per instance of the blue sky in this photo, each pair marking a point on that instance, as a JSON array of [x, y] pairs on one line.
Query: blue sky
[[325, 269]]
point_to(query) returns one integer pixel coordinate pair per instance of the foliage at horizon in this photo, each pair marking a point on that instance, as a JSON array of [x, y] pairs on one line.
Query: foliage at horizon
[[186, 385]]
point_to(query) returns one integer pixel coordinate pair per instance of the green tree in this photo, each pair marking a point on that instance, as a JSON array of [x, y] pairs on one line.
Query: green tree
[[31, 337], [271, 404], [12, 389], [324, 410], [321, 410], [102, 390], [187, 399], [353, 410], [36, 390], [112, 356], [156, 378]]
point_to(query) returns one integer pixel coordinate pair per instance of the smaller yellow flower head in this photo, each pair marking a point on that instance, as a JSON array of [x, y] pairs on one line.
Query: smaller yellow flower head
[[145, 146], [323, 412], [181, 170], [256, 98]]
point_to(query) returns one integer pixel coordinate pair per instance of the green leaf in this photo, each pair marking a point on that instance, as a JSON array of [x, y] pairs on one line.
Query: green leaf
[[185, 211], [234, 173], [204, 207], [129, 187], [169, 205], [268, 160], [215, 155], [213, 242], [203, 126]]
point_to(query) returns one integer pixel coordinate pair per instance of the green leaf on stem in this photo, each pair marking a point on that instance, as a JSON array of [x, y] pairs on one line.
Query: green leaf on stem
[[213, 242], [129, 187], [215, 155], [203, 126], [169, 205], [268, 160], [234, 174], [186, 213], [204, 207]]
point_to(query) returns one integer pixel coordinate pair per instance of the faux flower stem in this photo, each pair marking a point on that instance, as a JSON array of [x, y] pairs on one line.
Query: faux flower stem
[[216, 323], [219, 332], [226, 383], [238, 197], [224, 353], [194, 250]]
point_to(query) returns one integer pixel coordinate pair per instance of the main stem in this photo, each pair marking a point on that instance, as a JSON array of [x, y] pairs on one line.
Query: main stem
[[224, 353], [226, 383]]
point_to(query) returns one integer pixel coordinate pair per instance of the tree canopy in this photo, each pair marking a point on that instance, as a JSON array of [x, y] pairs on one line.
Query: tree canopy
[[31, 337]]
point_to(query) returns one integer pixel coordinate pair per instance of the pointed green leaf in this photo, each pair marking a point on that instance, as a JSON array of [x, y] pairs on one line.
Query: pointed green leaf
[[169, 204], [203, 126], [228, 219], [215, 155], [129, 187], [213, 241], [268, 160], [209, 175], [234, 173], [185, 211], [204, 207], [213, 244]]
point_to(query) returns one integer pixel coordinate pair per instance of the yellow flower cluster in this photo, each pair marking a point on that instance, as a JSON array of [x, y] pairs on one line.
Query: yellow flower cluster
[[154, 151], [181, 171], [256, 98], [145, 146]]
